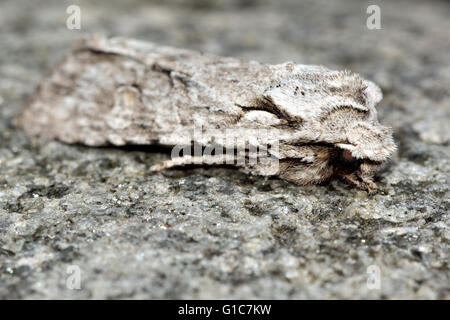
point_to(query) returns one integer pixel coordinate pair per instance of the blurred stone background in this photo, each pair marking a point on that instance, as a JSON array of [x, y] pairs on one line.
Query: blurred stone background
[[218, 233]]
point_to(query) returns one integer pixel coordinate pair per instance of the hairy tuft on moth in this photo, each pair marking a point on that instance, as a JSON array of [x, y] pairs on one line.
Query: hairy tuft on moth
[[311, 123]]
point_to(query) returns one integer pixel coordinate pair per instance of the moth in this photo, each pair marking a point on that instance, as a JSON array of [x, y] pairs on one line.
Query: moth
[[116, 91]]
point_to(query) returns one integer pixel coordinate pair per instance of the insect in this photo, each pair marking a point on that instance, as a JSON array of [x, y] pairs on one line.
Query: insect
[[115, 91]]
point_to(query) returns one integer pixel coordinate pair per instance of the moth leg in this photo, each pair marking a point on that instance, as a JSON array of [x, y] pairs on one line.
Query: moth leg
[[193, 160], [354, 180]]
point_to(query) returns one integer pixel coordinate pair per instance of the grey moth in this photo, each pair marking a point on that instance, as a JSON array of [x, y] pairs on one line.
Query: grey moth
[[312, 124]]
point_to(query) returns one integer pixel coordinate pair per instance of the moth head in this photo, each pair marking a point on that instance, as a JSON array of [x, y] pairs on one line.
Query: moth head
[[368, 141], [367, 146], [335, 110]]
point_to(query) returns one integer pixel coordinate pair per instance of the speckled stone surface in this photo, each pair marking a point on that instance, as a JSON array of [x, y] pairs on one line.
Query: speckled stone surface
[[219, 233]]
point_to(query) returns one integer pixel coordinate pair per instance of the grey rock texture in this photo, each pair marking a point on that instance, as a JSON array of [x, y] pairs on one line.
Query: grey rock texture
[[219, 233]]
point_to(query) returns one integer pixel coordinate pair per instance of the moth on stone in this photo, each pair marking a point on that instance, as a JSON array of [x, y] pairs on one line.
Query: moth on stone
[[114, 91]]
